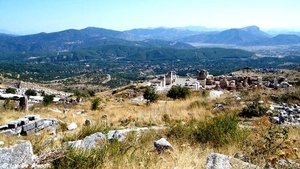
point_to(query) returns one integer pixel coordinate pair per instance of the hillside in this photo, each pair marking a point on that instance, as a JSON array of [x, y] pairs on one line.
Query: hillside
[[195, 127], [230, 36], [76, 39]]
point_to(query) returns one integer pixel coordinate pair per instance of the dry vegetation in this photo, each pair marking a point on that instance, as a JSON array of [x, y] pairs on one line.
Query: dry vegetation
[[180, 119]]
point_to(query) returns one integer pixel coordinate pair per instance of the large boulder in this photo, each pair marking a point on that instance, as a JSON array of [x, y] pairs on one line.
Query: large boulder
[[18, 156]]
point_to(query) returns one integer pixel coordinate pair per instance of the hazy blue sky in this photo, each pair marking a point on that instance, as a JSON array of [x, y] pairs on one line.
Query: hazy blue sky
[[56, 15]]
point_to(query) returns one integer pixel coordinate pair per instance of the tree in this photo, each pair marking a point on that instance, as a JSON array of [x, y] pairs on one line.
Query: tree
[[150, 95], [95, 103], [11, 90], [48, 99], [30, 92], [178, 92]]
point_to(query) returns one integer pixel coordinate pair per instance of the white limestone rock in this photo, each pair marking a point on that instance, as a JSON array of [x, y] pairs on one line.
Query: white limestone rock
[[18, 156], [162, 144], [72, 126], [93, 140]]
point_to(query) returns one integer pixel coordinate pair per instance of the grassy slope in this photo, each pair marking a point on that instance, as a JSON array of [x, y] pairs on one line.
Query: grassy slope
[[140, 153]]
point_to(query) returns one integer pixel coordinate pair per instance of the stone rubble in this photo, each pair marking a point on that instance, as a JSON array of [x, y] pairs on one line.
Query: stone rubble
[[221, 161], [27, 125]]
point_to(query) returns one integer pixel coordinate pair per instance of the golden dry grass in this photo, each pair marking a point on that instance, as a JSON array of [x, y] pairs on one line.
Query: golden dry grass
[[183, 156]]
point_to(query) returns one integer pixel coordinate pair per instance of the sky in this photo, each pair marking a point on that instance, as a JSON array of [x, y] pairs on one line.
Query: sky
[[33, 16]]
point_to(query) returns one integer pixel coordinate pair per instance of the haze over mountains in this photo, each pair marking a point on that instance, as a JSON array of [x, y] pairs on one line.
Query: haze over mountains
[[178, 38]]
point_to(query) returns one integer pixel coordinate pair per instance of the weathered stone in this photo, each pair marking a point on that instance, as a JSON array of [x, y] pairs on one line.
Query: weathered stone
[[88, 142], [115, 134], [93, 140], [220, 161], [217, 161], [162, 145], [18, 156], [72, 126], [87, 122]]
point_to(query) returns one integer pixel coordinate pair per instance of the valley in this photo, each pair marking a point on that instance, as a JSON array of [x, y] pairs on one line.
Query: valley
[[112, 97]]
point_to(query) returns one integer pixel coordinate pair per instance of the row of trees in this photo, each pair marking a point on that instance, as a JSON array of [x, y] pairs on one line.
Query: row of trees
[[176, 92]]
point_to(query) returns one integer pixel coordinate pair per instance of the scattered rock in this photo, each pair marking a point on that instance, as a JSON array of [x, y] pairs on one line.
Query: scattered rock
[[72, 126], [215, 93], [115, 134], [261, 102], [220, 161], [162, 145], [87, 122], [93, 140], [217, 161], [18, 156]]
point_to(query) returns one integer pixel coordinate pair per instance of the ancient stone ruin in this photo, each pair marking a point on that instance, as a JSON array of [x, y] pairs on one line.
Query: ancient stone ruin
[[27, 125]]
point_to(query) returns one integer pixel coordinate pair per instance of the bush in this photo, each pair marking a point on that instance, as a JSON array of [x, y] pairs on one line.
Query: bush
[[11, 90], [178, 92], [253, 110], [95, 103], [269, 143], [150, 95], [219, 131], [48, 99], [30, 92]]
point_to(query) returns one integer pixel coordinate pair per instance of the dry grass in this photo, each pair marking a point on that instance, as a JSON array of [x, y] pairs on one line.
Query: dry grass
[[125, 114]]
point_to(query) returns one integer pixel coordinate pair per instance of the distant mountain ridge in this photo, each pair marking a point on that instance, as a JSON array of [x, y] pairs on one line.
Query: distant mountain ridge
[[72, 39], [76, 39], [231, 36]]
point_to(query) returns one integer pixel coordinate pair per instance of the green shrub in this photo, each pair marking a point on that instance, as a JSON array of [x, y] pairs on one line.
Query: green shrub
[[272, 142], [253, 110], [48, 99], [30, 92], [11, 90], [219, 131], [95, 103], [182, 131], [178, 92], [150, 95]]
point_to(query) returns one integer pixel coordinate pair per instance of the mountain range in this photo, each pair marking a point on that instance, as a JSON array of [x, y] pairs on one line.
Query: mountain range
[[178, 38]]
